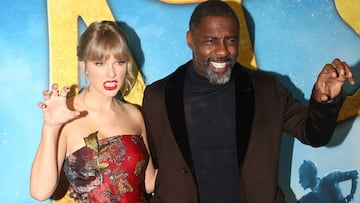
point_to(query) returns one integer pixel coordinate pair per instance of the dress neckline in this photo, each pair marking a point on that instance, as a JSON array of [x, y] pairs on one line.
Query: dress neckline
[[100, 141]]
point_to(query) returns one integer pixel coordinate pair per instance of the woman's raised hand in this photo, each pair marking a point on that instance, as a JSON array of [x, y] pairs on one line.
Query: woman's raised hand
[[54, 108]]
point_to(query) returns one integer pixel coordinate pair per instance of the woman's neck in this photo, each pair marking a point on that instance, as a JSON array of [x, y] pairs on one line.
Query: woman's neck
[[93, 101]]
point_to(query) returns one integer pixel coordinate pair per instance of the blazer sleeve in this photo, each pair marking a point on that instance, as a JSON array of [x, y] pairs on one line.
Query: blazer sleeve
[[322, 120], [312, 125]]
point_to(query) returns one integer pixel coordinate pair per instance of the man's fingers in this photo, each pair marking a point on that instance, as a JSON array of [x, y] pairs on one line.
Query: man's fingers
[[340, 69], [348, 73]]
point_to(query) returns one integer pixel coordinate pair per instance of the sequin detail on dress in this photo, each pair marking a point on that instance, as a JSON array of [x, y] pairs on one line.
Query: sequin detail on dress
[[108, 170]]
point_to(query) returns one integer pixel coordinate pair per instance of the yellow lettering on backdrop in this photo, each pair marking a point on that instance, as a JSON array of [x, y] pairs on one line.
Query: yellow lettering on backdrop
[[246, 53], [63, 37]]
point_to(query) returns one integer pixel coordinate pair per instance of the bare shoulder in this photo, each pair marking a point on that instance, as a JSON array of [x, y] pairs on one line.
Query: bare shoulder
[[134, 112], [132, 109]]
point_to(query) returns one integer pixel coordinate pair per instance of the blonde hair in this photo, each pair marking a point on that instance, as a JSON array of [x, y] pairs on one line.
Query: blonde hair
[[103, 39]]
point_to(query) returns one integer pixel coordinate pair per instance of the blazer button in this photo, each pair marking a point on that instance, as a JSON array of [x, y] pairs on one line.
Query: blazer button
[[184, 170]]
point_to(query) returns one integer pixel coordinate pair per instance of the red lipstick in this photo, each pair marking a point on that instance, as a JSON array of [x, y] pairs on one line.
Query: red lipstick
[[110, 85]]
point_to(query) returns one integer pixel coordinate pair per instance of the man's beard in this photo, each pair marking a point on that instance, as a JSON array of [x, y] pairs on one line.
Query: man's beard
[[219, 78]]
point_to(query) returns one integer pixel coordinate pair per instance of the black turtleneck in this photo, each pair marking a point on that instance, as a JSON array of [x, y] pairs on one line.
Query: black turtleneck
[[210, 121]]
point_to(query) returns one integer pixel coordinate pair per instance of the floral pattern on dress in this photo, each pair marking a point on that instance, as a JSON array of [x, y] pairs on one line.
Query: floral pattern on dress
[[108, 170]]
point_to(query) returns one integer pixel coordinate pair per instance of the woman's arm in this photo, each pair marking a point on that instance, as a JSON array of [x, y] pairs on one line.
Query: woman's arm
[[51, 151], [151, 172]]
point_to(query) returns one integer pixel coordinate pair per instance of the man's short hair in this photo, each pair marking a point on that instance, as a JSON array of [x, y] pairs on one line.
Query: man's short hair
[[211, 8]]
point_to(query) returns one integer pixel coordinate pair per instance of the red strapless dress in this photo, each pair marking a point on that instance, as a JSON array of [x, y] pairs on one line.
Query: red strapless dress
[[108, 170]]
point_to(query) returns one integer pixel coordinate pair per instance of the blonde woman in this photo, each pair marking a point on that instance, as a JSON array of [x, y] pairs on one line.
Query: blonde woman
[[99, 140]]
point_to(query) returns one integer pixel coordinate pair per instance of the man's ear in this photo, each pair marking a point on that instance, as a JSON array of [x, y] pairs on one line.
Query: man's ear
[[189, 39]]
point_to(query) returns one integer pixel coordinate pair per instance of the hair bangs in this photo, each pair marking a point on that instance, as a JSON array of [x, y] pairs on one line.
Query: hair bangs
[[107, 44]]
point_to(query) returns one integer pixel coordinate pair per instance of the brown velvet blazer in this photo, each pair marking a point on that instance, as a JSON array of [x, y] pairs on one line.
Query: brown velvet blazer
[[264, 110]]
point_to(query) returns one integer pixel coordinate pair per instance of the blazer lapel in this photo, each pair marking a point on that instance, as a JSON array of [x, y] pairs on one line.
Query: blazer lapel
[[244, 110], [175, 108]]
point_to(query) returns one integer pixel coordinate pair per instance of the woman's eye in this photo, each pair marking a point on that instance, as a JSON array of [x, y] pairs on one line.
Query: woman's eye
[[99, 63], [119, 63]]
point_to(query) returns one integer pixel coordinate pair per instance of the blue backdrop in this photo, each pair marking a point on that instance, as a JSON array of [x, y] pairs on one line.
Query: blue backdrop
[[292, 38]]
